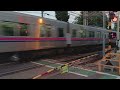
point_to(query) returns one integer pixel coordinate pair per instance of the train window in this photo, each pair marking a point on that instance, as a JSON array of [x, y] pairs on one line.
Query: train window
[[42, 31], [13, 28], [74, 32], [106, 35], [87, 34], [7, 29], [98, 34], [60, 32], [45, 31], [48, 32], [23, 29], [91, 34], [82, 33]]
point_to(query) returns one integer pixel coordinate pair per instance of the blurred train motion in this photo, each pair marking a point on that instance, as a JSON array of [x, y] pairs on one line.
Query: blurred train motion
[[23, 35]]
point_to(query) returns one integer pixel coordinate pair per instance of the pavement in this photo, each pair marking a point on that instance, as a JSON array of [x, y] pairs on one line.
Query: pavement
[[75, 72]]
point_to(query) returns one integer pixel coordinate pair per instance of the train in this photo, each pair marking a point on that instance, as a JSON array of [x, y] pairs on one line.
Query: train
[[22, 34]]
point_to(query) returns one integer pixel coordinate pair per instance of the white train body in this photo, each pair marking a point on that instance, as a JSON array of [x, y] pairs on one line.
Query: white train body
[[22, 32]]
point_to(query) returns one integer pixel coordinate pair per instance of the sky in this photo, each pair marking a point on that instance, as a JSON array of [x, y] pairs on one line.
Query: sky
[[51, 14]]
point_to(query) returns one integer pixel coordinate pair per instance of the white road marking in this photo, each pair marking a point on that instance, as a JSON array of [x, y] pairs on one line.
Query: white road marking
[[118, 77], [98, 72], [42, 64], [62, 64], [78, 74], [36, 63]]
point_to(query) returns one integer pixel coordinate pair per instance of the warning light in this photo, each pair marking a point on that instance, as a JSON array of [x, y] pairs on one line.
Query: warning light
[[115, 19], [40, 21], [112, 35]]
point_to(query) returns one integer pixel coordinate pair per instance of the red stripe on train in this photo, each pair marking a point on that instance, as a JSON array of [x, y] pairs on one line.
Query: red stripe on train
[[32, 38], [73, 39]]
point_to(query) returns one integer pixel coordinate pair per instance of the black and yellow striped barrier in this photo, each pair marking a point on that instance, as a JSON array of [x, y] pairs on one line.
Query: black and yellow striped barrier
[[63, 69]]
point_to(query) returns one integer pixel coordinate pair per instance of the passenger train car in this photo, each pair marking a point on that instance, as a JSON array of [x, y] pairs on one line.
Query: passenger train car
[[21, 33]]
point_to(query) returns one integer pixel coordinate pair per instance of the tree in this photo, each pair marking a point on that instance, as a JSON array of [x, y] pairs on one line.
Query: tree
[[62, 15], [79, 19], [95, 18]]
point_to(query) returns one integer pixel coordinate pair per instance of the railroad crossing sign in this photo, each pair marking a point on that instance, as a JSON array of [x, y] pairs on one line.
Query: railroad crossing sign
[[64, 69]]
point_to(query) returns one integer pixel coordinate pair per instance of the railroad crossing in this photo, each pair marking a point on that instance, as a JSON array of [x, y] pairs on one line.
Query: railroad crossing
[[41, 48], [72, 72]]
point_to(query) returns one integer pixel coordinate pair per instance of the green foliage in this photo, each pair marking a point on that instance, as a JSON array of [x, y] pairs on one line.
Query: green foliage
[[62, 15], [79, 19], [93, 20]]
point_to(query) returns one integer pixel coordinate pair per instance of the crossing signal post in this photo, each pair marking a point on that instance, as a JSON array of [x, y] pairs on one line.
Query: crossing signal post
[[112, 17], [118, 41], [103, 34], [115, 18], [107, 59], [112, 35]]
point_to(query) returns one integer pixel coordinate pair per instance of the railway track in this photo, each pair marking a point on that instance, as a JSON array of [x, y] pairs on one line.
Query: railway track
[[80, 60], [16, 67], [71, 61], [11, 68], [68, 58]]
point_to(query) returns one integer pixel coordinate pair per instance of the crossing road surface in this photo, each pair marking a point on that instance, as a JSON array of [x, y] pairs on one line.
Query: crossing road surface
[[75, 73]]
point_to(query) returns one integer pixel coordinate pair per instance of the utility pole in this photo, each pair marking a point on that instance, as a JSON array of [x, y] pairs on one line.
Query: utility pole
[[84, 18], [87, 17], [103, 34], [118, 37], [42, 14]]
